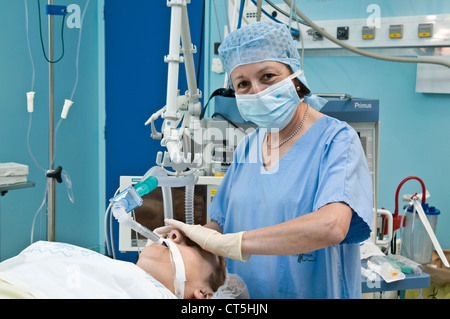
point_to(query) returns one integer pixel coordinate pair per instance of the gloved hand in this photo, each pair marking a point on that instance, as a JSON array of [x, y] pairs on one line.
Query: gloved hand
[[228, 245]]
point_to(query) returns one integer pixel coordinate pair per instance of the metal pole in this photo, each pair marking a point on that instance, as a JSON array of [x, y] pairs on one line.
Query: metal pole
[[51, 223]]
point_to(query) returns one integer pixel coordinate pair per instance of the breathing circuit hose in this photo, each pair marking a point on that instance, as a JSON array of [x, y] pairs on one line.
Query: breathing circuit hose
[[189, 204], [119, 210], [185, 181], [166, 182], [131, 198], [158, 172]]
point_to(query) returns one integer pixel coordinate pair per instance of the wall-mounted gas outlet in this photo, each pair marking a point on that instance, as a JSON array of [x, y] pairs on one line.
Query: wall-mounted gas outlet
[[342, 33]]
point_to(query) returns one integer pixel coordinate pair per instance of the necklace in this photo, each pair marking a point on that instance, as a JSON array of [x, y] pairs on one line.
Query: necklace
[[293, 133]]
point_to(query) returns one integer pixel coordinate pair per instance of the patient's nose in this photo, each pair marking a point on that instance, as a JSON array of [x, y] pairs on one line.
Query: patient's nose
[[177, 237]]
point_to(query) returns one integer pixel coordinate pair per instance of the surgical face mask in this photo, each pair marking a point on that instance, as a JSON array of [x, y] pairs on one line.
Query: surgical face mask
[[272, 108]]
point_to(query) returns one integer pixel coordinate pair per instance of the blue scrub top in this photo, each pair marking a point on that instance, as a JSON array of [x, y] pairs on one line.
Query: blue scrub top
[[327, 164]]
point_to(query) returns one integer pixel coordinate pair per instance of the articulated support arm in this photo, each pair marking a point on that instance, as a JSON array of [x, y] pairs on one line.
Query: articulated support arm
[[180, 155]]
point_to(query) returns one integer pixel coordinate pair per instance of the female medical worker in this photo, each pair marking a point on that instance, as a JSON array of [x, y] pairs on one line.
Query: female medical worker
[[298, 201]]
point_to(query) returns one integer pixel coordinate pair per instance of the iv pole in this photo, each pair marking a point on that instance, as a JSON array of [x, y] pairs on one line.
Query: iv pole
[[51, 213]]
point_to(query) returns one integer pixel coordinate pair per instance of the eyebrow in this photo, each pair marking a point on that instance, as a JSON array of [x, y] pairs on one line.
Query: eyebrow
[[262, 70], [193, 244]]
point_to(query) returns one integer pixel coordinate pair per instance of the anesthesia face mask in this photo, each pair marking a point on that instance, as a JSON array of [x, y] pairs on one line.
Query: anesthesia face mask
[[177, 268]]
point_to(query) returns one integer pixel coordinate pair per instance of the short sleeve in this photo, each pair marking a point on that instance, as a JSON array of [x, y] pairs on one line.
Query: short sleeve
[[345, 177]]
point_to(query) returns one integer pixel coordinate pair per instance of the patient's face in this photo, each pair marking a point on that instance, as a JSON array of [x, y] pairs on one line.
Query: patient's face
[[199, 265]]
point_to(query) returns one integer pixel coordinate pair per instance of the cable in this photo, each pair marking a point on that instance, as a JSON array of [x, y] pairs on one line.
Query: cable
[[241, 12], [362, 52], [226, 119], [285, 13], [220, 91], [42, 40], [300, 37], [78, 50], [105, 229], [201, 44], [291, 16], [217, 21], [294, 31], [110, 238]]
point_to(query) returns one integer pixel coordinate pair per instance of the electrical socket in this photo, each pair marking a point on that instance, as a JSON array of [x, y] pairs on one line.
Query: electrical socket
[[342, 33]]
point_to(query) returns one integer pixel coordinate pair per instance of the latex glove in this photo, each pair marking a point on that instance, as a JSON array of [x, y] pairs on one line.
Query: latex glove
[[228, 245]]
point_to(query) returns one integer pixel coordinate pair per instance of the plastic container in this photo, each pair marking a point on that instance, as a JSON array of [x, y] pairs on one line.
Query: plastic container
[[416, 243]]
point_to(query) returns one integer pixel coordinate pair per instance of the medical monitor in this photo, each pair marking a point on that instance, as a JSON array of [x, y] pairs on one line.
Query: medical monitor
[[363, 115]]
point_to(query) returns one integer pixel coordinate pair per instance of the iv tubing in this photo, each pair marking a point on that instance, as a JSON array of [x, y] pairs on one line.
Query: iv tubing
[[49, 196], [33, 75], [78, 51]]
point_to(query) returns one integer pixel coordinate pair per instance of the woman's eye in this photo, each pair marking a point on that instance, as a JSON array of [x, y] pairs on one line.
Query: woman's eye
[[242, 85], [268, 76]]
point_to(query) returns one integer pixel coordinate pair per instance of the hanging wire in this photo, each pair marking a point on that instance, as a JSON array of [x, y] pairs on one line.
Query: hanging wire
[[42, 40], [78, 51]]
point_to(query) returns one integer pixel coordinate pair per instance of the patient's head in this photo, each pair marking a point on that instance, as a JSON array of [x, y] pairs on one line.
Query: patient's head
[[205, 272]]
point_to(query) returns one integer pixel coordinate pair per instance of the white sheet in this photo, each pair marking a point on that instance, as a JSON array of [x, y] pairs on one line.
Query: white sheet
[[58, 270]]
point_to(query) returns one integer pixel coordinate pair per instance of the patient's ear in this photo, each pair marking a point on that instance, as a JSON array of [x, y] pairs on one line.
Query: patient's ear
[[199, 294]]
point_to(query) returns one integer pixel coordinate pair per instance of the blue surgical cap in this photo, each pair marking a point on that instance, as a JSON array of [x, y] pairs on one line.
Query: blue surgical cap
[[264, 41]]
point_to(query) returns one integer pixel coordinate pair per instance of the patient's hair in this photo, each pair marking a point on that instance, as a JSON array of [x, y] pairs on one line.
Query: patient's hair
[[218, 275]]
